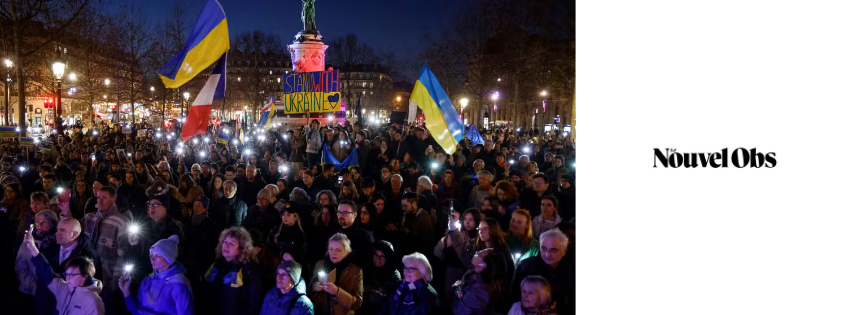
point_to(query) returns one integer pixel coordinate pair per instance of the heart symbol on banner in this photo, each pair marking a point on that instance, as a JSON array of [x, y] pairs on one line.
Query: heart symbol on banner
[[334, 99]]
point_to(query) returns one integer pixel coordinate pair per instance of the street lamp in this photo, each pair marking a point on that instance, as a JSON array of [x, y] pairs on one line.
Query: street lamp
[[544, 93], [398, 98], [186, 99], [9, 66], [494, 97], [72, 76], [59, 72]]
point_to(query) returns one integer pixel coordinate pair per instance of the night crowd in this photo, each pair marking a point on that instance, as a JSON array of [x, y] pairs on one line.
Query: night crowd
[[102, 222]]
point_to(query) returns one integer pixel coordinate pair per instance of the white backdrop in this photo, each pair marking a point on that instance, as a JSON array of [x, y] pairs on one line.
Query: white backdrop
[[700, 76]]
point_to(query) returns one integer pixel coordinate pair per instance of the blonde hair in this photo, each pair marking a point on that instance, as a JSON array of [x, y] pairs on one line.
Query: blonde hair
[[343, 239], [421, 263], [544, 287], [246, 246]]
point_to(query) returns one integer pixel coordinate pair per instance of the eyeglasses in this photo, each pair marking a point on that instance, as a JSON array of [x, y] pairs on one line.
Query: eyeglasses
[[410, 270], [69, 275], [152, 205], [378, 256], [345, 212], [538, 182]]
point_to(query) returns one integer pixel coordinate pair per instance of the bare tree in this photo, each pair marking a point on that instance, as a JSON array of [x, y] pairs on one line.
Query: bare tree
[[347, 53], [172, 33], [256, 53], [23, 15], [134, 37]]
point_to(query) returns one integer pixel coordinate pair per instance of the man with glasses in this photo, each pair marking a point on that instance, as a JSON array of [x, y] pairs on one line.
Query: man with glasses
[[361, 239], [103, 228], [531, 199]]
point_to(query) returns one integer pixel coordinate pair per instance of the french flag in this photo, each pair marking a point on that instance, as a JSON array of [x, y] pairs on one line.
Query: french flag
[[199, 113]]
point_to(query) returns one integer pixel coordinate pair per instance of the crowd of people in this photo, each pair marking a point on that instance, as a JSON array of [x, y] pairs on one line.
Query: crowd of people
[[96, 221]]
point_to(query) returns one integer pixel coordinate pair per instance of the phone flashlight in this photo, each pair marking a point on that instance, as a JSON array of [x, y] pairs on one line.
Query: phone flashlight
[[60, 190], [133, 229], [323, 277], [285, 169], [93, 157], [434, 165]]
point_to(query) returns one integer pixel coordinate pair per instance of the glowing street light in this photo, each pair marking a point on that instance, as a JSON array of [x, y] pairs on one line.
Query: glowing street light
[[72, 77], [398, 98], [544, 93], [106, 82], [186, 95], [152, 89]]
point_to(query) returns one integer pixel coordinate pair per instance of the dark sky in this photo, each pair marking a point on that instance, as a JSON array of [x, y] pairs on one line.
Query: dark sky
[[395, 26]]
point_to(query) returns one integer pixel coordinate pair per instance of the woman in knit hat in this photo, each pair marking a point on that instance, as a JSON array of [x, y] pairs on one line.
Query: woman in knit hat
[[166, 290], [288, 296]]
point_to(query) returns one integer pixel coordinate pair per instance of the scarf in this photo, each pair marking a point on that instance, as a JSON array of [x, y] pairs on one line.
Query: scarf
[[331, 266], [44, 239], [544, 309], [406, 295]]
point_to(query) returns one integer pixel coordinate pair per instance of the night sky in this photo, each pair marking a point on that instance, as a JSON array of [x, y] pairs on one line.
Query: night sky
[[387, 25]]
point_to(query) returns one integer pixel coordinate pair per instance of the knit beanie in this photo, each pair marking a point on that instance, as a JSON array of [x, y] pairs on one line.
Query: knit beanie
[[293, 268], [205, 201], [167, 248], [163, 199]]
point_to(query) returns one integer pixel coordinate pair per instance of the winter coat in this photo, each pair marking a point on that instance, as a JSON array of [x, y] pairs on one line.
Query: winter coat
[[150, 233], [168, 292], [472, 296], [83, 300], [424, 300], [247, 191], [295, 302], [290, 240], [45, 302], [517, 309], [84, 248], [350, 296], [104, 228], [234, 288], [228, 212], [457, 258], [313, 139], [198, 246], [262, 219]]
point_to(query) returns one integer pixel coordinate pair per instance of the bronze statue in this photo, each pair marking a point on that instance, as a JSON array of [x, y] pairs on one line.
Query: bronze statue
[[308, 12]]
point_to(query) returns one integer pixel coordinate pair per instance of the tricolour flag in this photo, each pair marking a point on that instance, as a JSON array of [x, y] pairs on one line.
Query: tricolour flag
[[222, 137], [441, 119], [199, 113], [208, 40], [267, 112], [8, 132]]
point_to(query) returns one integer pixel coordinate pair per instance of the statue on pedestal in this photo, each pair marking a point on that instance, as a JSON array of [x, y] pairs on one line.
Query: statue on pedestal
[[308, 12]]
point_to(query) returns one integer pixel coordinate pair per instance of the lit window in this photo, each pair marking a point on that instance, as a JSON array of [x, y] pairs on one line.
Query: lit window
[[370, 85], [364, 84]]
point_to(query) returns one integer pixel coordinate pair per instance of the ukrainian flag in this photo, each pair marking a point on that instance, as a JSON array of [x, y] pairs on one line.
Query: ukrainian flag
[[26, 141], [207, 41], [440, 116], [8, 132], [267, 112], [222, 138]]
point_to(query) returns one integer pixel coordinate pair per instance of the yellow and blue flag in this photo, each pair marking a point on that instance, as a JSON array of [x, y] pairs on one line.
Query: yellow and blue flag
[[267, 112], [328, 158], [8, 132], [207, 42], [27, 141], [440, 116]]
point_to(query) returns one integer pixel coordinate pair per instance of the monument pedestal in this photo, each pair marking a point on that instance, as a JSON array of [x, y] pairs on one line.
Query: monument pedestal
[[308, 52]]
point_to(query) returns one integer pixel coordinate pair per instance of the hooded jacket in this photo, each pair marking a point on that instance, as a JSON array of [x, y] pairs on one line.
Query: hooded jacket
[[71, 301], [168, 292], [295, 302], [422, 300]]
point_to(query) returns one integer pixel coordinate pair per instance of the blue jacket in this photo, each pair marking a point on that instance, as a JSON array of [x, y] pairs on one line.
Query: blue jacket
[[276, 303], [168, 292]]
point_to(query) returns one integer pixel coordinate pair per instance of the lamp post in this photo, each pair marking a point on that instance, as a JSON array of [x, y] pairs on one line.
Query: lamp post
[[59, 72], [464, 102], [543, 107], [494, 97], [186, 100], [9, 66]]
